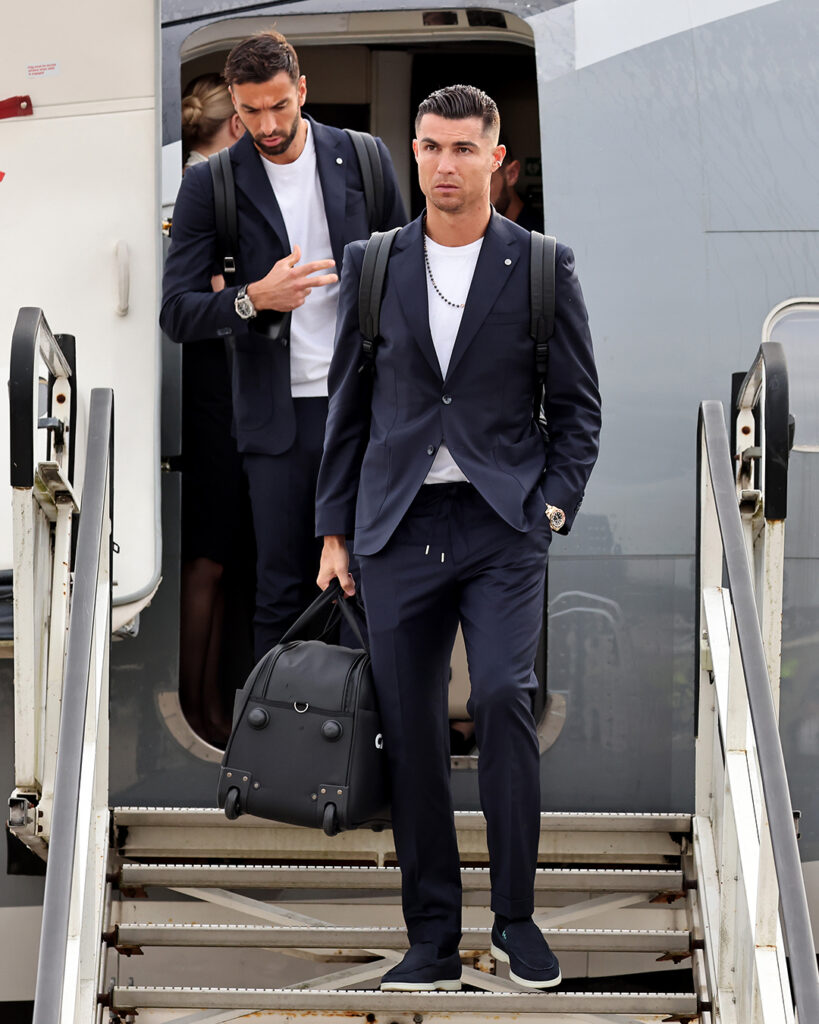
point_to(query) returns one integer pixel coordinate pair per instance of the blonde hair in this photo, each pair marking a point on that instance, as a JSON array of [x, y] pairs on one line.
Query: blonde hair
[[206, 106]]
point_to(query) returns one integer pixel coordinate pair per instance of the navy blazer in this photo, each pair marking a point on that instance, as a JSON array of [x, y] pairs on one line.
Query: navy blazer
[[383, 432], [191, 311]]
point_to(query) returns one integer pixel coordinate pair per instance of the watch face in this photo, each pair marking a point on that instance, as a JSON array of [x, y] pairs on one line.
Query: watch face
[[556, 517], [244, 307]]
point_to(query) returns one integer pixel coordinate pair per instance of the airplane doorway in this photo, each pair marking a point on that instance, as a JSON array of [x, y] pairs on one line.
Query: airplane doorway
[[371, 75]]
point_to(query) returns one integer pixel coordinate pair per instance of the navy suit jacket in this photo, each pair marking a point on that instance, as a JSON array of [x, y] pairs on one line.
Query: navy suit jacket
[[383, 432], [262, 405]]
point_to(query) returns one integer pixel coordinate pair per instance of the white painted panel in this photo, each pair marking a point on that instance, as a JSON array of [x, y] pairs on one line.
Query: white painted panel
[[171, 172], [605, 28], [18, 964], [73, 188], [61, 53]]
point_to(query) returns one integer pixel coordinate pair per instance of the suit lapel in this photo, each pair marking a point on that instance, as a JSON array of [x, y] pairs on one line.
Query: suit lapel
[[407, 267], [332, 172], [497, 259], [252, 179]]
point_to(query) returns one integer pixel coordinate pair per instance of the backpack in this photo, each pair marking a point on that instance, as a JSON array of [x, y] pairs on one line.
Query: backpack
[[224, 197], [542, 252]]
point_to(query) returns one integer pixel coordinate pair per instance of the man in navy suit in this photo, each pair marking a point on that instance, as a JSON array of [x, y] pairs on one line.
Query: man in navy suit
[[438, 469], [299, 194]]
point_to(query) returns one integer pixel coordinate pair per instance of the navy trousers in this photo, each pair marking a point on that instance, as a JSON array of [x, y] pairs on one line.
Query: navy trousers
[[283, 499], [454, 559]]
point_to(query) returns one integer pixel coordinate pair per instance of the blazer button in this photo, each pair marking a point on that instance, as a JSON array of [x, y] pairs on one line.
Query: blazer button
[[431, 450], [447, 399]]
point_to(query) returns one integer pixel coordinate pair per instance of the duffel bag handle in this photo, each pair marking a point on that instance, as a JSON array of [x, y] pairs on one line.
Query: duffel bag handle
[[304, 628], [306, 625], [350, 610]]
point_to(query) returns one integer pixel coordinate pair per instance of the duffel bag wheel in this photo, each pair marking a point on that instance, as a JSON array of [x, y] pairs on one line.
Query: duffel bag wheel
[[330, 821], [233, 804]]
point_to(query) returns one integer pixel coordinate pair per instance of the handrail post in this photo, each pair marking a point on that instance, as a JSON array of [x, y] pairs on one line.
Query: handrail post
[[43, 506], [709, 575], [762, 428], [75, 879], [751, 833]]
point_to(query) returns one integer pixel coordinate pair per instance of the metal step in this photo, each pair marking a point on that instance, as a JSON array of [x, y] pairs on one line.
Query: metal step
[[213, 817], [602, 857], [205, 833], [585, 940], [497, 1004], [312, 876]]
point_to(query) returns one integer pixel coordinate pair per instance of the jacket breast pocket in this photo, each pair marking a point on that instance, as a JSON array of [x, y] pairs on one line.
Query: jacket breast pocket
[[512, 318], [355, 210]]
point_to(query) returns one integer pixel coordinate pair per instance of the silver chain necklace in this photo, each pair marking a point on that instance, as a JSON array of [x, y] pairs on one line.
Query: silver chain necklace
[[438, 292]]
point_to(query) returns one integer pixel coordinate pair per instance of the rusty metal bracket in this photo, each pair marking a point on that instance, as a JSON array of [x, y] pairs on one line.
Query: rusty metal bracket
[[675, 957], [127, 950], [669, 896]]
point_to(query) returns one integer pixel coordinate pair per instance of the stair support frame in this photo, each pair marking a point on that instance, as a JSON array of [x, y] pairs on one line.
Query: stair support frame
[[736, 778]]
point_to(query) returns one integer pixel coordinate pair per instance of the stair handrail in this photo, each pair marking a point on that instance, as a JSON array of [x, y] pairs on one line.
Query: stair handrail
[[766, 385], [85, 672], [794, 914], [761, 439], [31, 336], [43, 505]]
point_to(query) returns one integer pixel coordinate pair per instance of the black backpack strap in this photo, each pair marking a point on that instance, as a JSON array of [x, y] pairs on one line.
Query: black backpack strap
[[371, 291], [224, 208], [542, 252], [372, 175]]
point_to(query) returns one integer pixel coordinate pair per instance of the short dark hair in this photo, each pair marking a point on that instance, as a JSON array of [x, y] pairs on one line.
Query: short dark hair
[[456, 102], [260, 58]]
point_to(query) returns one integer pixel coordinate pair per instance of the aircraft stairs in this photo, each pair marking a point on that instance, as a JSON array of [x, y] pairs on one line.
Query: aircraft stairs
[[613, 886], [177, 914]]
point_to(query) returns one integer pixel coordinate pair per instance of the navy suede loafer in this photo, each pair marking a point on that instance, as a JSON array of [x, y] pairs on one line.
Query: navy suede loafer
[[423, 970], [521, 945]]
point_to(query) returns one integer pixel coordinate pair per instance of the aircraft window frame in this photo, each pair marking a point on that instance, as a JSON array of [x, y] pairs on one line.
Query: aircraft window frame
[[359, 27]]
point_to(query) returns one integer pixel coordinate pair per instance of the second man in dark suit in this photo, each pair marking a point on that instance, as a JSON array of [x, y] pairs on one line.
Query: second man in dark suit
[[300, 197], [437, 467]]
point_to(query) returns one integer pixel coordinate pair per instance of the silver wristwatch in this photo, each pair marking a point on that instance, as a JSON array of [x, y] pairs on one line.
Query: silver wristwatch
[[243, 305], [556, 517]]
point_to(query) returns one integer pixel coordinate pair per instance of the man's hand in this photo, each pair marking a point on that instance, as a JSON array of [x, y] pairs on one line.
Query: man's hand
[[335, 562], [286, 286]]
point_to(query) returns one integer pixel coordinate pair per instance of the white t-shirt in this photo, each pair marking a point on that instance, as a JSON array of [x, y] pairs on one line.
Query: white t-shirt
[[313, 327], [452, 267]]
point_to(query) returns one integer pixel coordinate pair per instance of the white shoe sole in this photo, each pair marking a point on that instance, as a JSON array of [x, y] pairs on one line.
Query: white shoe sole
[[422, 986], [499, 954]]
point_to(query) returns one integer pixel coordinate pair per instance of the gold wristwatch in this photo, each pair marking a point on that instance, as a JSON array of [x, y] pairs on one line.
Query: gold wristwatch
[[556, 517]]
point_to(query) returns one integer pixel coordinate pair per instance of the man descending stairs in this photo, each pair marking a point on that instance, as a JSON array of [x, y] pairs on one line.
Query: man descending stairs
[[310, 931]]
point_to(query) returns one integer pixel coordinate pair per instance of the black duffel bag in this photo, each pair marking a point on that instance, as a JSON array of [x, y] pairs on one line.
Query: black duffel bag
[[306, 745]]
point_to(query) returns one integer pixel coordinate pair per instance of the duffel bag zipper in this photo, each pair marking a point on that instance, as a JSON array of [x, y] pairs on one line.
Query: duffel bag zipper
[[345, 693], [355, 674], [249, 687], [272, 664]]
